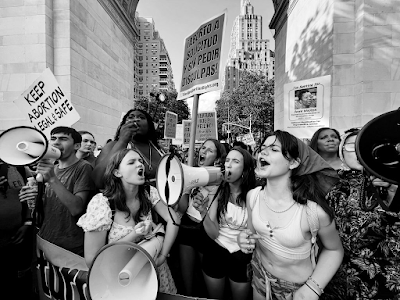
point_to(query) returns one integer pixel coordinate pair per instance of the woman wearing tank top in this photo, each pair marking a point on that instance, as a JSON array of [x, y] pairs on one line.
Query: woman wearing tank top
[[226, 218], [279, 230]]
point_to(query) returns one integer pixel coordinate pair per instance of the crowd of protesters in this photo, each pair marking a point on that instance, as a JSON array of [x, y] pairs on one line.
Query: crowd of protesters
[[289, 220]]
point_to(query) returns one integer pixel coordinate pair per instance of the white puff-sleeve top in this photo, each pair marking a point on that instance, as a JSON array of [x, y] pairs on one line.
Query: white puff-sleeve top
[[98, 217]]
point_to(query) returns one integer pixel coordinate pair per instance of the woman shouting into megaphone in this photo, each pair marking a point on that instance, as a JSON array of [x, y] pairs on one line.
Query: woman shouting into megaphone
[[124, 211]]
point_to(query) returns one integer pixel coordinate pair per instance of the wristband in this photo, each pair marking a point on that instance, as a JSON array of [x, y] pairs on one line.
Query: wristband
[[314, 283], [312, 289]]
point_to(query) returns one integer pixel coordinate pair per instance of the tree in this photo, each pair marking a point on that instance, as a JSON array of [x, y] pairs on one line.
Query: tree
[[157, 108], [253, 97]]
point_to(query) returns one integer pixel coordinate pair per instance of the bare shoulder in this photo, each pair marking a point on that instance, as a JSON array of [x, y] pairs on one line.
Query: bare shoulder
[[323, 217]]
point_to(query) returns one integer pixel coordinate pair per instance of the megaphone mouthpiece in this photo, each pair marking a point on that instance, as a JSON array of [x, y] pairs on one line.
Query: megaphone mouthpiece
[[32, 149]]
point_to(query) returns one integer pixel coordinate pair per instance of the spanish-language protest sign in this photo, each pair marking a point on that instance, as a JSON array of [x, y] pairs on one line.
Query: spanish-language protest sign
[[206, 127], [307, 106], [46, 105], [202, 56], [171, 120]]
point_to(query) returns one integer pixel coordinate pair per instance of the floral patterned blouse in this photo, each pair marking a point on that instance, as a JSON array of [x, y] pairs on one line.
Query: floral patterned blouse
[[98, 217], [371, 241]]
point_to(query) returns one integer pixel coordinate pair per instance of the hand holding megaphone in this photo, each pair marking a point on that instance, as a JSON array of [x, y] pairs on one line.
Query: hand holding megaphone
[[391, 189], [45, 170], [200, 202]]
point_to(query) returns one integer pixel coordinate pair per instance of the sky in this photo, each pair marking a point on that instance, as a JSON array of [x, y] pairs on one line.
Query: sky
[[177, 19]]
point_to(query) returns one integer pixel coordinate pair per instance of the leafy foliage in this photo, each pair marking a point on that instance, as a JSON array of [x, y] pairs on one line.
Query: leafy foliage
[[157, 108], [252, 99]]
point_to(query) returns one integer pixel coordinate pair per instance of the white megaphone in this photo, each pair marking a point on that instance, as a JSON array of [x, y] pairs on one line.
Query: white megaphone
[[181, 178], [23, 145], [125, 270]]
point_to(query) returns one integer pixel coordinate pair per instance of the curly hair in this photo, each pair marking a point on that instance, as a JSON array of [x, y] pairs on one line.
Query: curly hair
[[151, 134]]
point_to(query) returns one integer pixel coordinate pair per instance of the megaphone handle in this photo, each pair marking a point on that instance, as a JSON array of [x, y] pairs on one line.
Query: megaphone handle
[[383, 193], [39, 177], [38, 213]]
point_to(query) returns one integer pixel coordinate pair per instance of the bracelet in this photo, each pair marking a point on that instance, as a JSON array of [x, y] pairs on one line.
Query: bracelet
[[312, 289], [316, 283], [28, 223], [166, 256]]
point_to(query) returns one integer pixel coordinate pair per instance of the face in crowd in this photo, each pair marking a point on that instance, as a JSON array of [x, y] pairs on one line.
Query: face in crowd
[[131, 169], [207, 154], [350, 155], [328, 141], [88, 144], [140, 119], [65, 143]]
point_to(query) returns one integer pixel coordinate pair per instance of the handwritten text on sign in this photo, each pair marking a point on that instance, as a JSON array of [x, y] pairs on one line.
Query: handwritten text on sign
[[206, 127], [171, 119], [46, 105]]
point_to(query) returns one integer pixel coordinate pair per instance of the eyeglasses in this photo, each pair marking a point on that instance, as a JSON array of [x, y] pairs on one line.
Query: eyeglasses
[[349, 147], [387, 154]]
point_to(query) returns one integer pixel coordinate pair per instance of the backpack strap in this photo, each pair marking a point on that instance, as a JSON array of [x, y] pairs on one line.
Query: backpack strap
[[253, 196], [313, 223]]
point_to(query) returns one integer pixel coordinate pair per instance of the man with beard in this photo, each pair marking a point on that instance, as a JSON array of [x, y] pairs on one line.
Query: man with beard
[[68, 188], [87, 148]]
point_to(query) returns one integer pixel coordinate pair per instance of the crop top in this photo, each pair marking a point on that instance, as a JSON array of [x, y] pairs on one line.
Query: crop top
[[287, 241]]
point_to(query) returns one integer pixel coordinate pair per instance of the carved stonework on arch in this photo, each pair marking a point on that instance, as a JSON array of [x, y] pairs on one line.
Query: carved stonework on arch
[[123, 14]]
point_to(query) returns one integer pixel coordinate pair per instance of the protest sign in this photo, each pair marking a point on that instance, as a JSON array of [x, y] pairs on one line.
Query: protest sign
[[178, 140], [201, 60], [248, 139], [307, 106], [206, 127], [186, 133], [171, 120], [45, 104]]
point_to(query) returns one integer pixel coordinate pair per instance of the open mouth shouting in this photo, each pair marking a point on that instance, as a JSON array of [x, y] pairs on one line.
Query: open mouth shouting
[[140, 172], [227, 174], [202, 159], [262, 163]]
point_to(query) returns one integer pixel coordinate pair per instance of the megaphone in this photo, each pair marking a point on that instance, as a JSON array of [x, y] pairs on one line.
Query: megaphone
[[175, 178], [124, 270], [378, 146], [23, 145]]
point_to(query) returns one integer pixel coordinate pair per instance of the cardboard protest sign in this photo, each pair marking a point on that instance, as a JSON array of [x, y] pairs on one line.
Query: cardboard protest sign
[[171, 120], [248, 139], [186, 133], [45, 104], [206, 127], [202, 56]]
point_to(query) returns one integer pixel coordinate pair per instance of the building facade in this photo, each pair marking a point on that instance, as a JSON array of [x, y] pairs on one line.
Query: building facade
[[88, 45], [154, 64], [356, 42], [248, 50]]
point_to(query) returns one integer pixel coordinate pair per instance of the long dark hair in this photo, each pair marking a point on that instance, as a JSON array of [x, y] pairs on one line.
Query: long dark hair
[[304, 187], [248, 183], [151, 134], [314, 140], [114, 190], [221, 153]]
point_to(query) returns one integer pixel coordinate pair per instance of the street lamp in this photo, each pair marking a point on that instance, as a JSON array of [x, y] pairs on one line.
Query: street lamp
[[160, 97]]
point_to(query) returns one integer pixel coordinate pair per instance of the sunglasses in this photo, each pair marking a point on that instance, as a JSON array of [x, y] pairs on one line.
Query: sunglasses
[[349, 147], [387, 154]]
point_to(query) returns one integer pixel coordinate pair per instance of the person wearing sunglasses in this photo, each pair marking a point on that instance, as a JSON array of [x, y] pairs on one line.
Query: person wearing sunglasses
[[368, 229], [125, 211], [223, 221]]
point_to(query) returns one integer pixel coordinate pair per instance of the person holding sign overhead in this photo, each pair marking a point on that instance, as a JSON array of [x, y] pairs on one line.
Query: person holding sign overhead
[[136, 131]]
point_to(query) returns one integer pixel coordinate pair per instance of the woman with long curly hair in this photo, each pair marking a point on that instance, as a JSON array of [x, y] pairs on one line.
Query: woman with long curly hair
[[123, 212], [223, 221]]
